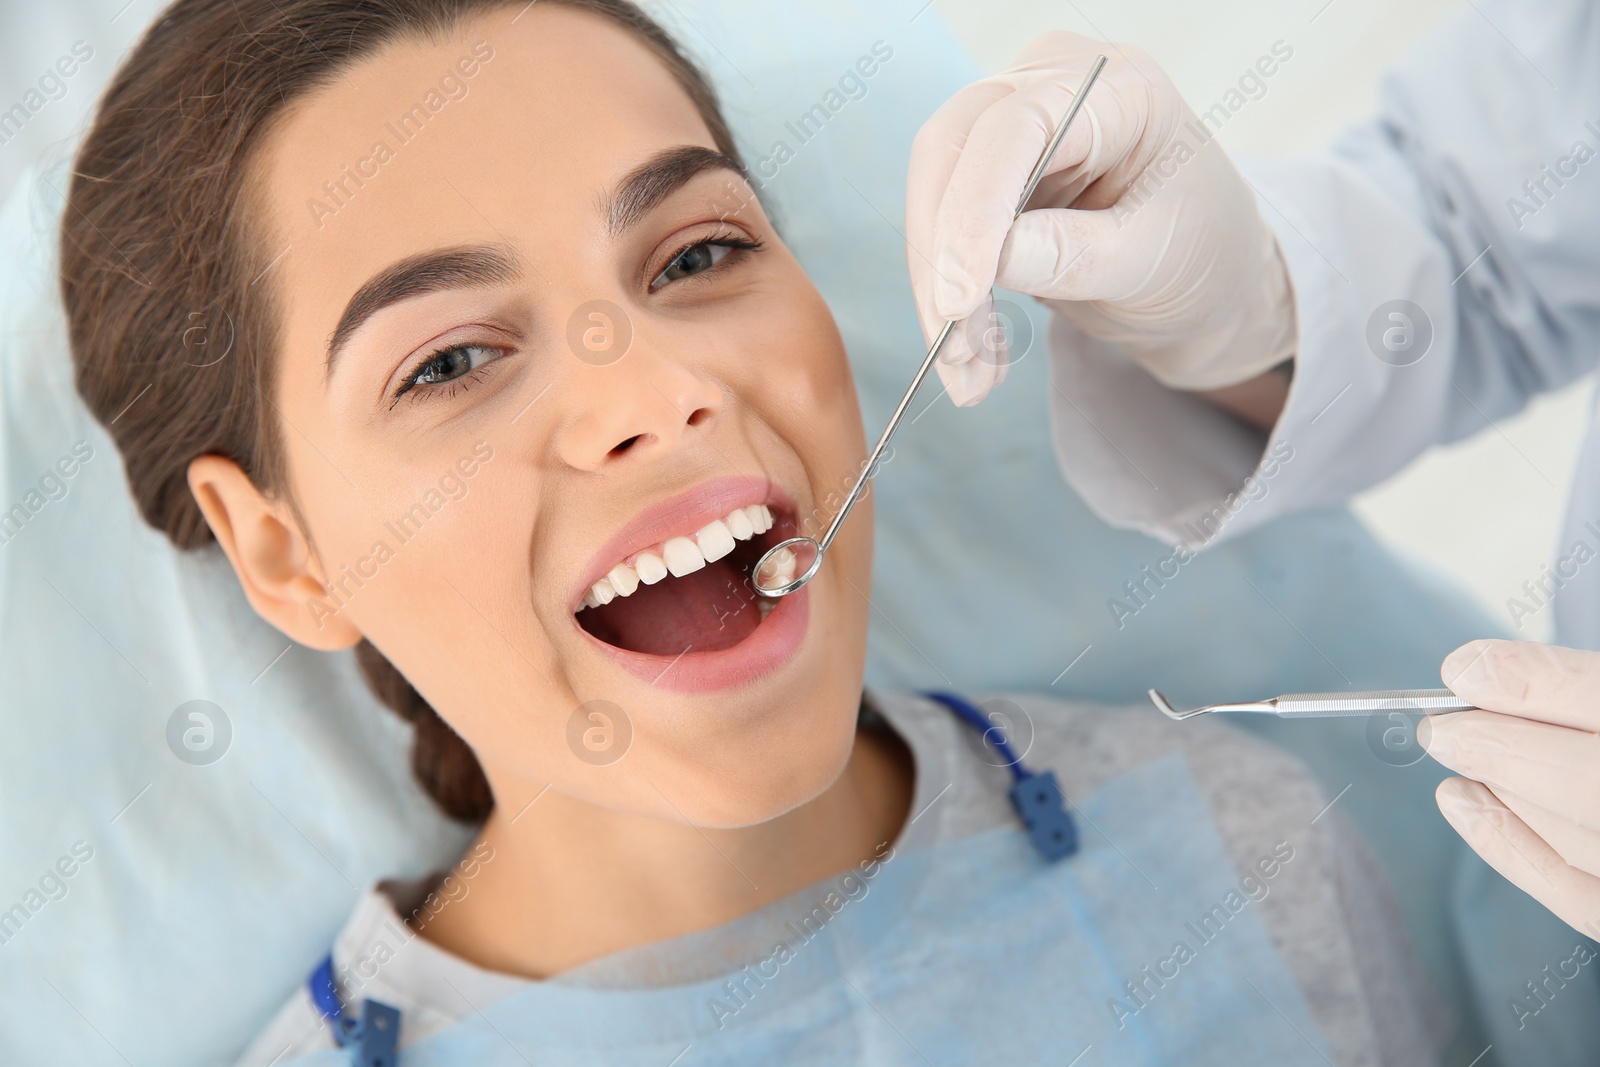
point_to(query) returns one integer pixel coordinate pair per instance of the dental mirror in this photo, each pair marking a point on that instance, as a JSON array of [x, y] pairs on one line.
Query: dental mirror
[[790, 564]]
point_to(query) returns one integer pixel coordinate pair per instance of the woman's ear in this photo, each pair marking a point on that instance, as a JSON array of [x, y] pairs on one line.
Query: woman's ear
[[270, 554]]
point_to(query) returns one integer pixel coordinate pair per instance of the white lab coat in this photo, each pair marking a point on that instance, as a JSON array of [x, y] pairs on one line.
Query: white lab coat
[[1426, 202]]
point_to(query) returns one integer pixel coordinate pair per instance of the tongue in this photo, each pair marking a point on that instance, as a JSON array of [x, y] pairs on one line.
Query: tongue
[[700, 612]]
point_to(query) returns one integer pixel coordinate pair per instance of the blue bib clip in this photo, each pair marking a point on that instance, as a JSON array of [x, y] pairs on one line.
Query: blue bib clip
[[1037, 796], [374, 1038]]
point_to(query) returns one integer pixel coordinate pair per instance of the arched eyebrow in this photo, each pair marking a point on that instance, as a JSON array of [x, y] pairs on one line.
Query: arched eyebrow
[[640, 190], [657, 178], [426, 272]]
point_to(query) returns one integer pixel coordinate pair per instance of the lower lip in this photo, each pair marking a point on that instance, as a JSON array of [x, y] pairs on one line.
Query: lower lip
[[773, 644]]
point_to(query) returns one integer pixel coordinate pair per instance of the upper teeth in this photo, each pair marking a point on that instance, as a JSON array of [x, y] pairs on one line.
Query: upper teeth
[[678, 556]]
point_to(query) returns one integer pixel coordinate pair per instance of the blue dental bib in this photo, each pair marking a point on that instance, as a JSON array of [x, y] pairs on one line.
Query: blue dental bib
[[976, 950]]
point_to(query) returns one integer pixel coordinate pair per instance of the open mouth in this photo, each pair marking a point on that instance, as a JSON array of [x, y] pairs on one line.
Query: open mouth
[[690, 592]]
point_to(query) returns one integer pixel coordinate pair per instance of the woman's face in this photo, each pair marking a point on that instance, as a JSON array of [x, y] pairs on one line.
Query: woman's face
[[525, 338]]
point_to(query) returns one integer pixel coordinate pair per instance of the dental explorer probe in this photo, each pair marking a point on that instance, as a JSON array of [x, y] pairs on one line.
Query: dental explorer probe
[[790, 564], [1327, 705]]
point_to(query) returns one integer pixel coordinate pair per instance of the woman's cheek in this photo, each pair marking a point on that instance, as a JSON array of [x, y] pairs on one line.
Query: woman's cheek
[[813, 381], [439, 551]]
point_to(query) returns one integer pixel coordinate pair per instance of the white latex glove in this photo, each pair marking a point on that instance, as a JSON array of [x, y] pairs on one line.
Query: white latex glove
[[1139, 232], [1530, 804]]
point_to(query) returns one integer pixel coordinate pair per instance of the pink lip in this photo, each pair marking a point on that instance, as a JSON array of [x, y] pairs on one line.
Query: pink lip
[[773, 643]]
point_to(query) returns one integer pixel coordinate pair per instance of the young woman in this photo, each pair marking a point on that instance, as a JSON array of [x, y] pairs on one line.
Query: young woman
[[523, 381]]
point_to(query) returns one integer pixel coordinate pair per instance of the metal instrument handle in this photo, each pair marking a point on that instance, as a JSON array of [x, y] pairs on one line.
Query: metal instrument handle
[[1410, 701], [1032, 183]]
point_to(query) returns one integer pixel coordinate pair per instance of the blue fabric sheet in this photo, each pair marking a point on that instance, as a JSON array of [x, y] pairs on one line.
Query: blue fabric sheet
[[972, 951]]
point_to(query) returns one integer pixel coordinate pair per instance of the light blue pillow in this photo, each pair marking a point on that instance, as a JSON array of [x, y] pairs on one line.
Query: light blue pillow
[[201, 894]]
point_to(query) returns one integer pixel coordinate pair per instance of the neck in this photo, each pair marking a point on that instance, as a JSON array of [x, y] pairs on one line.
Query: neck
[[570, 882]]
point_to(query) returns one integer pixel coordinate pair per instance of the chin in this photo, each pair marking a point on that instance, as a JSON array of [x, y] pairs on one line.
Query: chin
[[790, 783], [779, 759]]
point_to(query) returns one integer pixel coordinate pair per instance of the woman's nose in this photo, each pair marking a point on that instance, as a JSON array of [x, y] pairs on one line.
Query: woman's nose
[[648, 402]]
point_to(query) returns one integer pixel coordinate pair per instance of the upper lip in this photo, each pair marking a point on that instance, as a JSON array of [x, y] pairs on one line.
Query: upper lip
[[679, 516]]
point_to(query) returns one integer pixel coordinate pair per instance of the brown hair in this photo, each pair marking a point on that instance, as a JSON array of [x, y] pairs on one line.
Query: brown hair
[[163, 264]]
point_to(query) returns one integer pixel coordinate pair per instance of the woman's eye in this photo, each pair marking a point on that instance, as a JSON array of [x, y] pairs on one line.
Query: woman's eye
[[693, 260], [701, 257], [446, 366]]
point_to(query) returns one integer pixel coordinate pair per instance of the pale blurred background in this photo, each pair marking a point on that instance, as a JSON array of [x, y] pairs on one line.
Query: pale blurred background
[[1486, 512]]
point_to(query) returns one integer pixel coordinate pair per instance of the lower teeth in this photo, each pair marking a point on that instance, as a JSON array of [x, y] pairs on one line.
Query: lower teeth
[[764, 606]]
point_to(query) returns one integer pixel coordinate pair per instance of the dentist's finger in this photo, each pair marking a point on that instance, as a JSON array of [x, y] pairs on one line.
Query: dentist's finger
[[1068, 254], [1000, 151], [934, 154], [1552, 766], [1511, 847], [975, 356], [1577, 845], [1527, 679], [968, 383]]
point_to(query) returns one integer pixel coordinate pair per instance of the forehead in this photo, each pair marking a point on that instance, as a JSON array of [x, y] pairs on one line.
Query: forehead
[[511, 131]]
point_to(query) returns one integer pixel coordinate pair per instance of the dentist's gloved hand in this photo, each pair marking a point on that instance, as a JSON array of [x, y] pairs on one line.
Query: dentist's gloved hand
[[1530, 802], [1138, 234]]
